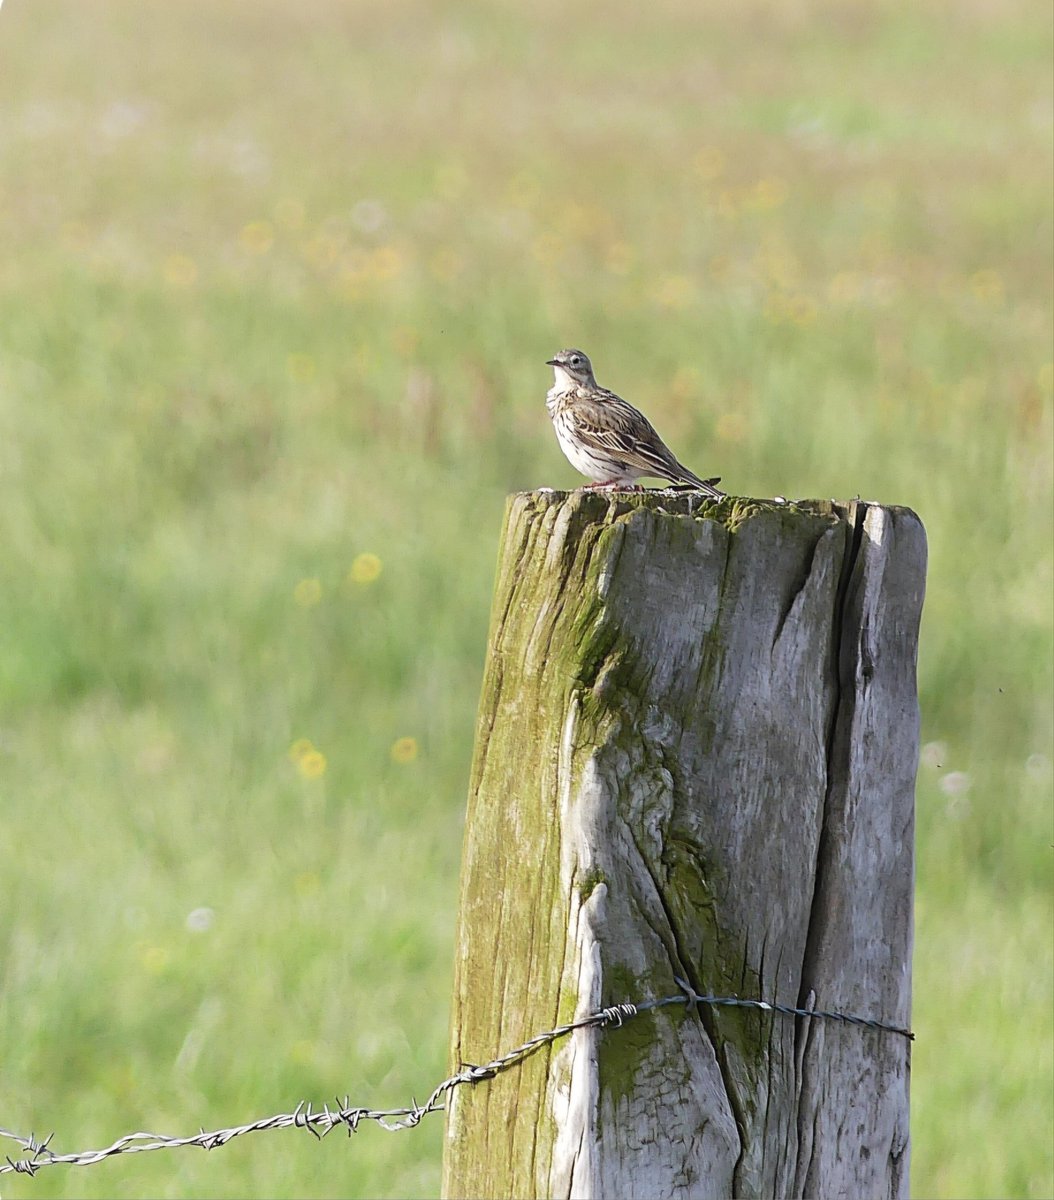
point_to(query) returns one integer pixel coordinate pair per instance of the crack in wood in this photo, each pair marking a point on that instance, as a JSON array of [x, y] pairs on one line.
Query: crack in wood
[[843, 697]]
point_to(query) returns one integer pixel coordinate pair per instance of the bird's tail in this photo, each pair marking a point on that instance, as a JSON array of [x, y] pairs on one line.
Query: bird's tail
[[683, 475]]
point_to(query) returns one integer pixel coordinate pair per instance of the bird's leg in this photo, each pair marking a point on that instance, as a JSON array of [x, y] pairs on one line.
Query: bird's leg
[[613, 485]]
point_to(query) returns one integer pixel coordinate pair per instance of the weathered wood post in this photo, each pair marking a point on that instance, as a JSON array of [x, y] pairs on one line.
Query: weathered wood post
[[695, 757]]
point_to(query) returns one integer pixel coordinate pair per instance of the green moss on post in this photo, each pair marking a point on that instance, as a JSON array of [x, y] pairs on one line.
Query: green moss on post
[[695, 756]]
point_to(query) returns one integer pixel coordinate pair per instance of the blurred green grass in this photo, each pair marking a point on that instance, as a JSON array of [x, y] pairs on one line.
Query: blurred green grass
[[277, 287]]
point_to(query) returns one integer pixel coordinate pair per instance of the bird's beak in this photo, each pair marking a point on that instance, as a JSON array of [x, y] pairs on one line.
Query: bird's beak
[[553, 362]]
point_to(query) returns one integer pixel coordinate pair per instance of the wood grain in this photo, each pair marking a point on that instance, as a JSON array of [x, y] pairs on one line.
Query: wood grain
[[695, 756]]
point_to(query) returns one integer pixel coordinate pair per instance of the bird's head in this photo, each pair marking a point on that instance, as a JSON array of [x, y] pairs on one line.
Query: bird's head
[[572, 367]]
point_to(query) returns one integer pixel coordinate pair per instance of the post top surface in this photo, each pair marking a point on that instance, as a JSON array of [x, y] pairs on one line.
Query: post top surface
[[730, 512]]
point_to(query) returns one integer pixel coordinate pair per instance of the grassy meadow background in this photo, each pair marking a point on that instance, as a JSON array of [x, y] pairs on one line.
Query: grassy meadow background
[[277, 284]]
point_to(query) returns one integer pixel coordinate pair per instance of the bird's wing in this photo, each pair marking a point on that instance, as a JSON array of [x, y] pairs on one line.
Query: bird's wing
[[612, 426], [605, 422]]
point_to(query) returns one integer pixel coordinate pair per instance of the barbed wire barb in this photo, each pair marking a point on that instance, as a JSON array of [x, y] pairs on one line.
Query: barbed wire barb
[[319, 1124]]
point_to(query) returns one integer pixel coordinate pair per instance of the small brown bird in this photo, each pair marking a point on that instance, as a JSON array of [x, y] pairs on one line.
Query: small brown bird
[[605, 438]]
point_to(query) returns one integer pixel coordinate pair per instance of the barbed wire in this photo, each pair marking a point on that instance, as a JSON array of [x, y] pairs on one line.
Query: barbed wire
[[324, 1121]]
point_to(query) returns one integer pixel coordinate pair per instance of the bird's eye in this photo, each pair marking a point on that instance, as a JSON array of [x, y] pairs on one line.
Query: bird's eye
[[576, 360]]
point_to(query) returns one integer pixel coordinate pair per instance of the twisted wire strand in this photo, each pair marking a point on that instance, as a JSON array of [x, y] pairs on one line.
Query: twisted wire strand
[[322, 1122]]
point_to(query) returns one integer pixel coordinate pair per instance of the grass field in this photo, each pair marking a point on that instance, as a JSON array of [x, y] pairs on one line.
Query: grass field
[[277, 286]]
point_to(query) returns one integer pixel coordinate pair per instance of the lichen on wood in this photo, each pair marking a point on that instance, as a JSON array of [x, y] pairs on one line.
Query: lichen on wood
[[695, 756]]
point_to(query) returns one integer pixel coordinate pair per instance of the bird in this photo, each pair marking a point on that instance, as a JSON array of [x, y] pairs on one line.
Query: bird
[[606, 438]]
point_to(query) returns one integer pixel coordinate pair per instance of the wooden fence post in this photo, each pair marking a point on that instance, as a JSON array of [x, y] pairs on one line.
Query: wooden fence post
[[695, 757]]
